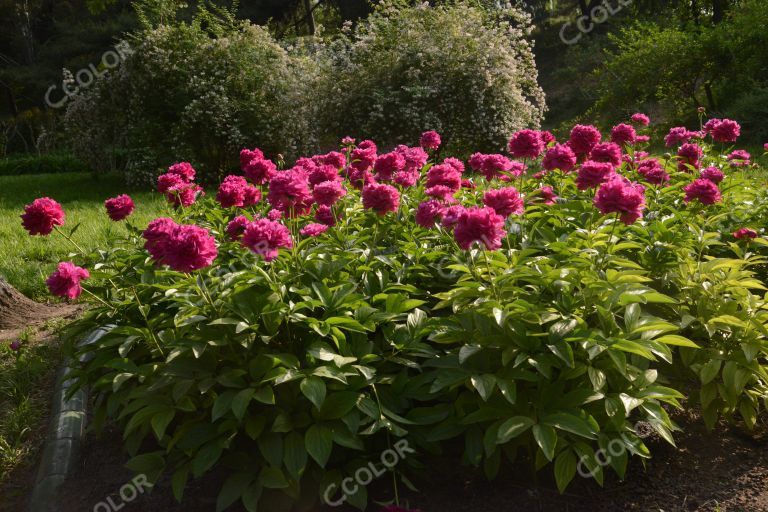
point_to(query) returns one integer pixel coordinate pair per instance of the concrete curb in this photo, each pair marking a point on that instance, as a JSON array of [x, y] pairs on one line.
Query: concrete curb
[[65, 436]]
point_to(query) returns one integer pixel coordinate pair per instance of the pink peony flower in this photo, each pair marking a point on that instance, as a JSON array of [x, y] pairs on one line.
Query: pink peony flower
[[677, 136], [606, 152], [493, 165], [184, 170], [546, 137], [415, 157], [407, 178], [591, 174], [260, 170], [120, 207], [428, 213], [652, 171], [41, 215], [689, 156], [482, 225], [623, 134], [430, 140], [451, 216], [236, 227], [189, 248], [323, 173], [328, 192], [380, 198], [619, 195], [765, 146], [526, 144], [467, 183], [584, 138], [275, 215], [265, 237], [65, 281], [313, 229], [703, 191], [289, 193], [504, 201], [359, 179], [15, 345], [368, 145], [739, 158], [156, 236], [723, 130], [166, 181], [183, 195], [235, 191], [442, 193], [745, 233], [444, 175], [324, 215], [559, 156], [712, 174], [248, 155], [334, 158], [455, 163], [363, 158], [387, 165], [640, 119], [642, 139], [547, 195], [347, 141]]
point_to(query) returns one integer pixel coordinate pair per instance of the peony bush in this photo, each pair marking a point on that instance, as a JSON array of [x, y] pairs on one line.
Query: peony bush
[[294, 325]]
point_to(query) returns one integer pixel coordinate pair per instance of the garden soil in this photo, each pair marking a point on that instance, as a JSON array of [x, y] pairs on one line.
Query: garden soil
[[724, 471]]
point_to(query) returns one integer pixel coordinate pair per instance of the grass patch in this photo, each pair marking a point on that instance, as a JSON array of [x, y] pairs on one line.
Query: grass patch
[[25, 261]]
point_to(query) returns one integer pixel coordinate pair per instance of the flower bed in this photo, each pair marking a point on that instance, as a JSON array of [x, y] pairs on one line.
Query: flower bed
[[302, 323]]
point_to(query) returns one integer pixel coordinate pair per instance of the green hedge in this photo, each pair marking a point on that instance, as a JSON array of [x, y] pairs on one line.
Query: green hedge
[[42, 164]]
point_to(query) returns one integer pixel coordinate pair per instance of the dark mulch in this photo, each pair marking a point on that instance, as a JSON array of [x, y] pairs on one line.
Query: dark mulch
[[723, 471]]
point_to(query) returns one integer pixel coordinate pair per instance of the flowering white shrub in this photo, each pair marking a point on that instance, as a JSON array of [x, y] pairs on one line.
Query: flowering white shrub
[[466, 72]]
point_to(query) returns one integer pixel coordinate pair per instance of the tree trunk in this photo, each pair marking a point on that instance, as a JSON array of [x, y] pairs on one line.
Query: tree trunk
[[310, 17]]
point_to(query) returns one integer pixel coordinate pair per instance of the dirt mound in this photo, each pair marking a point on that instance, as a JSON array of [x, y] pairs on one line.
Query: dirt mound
[[17, 311]]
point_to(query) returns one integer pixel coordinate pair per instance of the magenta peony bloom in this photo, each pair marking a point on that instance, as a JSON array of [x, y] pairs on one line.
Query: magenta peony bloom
[[235, 191], [380, 198], [360, 179], [526, 144], [265, 237], [481, 225], [547, 195], [120, 207], [504, 201], [640, 119], [156, 236], [619, 195], [584, 138], [166, 181], [493, 165], [559, 156], [236, 227], [467, 183], [546, 137], [745, 233], [387, 165], [363, 159], [441, 193], [41, 215], [444, 175], [15, 345], [723, 130], [455, 163], [765, 146], [260, 170], [430, 140], [274, 214], [324, 215], [415, 157], [428, 213], [591, 174], [739, 158], [347, 141], [689, 156], [65, 281], [677, 136], [652, 171], [248, 155], [451, 216], [189, 248], [334, 158], [606, 152], [703, 191], [184, 170], [407, 178], [289, 192], [328, 192], [313, 229], [323, 173], [184, 195], [623, 134], [712, 174], [642, 139]]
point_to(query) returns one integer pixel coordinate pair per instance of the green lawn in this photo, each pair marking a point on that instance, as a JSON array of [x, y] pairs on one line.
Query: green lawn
[[25, 261]]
